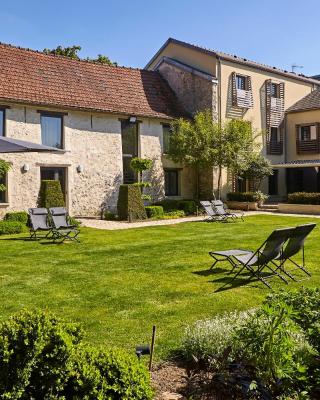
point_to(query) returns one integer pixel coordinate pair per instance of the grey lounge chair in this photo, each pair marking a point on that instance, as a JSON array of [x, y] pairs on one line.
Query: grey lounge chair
[[294, 246], [224, 214], [39, 222], [210, 212], [256, 262], [61, 227]]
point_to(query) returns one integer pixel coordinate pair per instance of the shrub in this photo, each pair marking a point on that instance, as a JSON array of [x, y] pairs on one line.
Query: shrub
[[11, 227], [188, 206], [50, 194], [241, 196], [212, 341], [154, 211], [109, 216], [130, 205], [168, 205], [304, 198], [42, 357], [19, 216], [74, 221], [174, 214]]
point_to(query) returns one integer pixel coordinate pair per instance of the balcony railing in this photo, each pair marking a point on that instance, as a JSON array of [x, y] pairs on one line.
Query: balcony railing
[[275, 148], [244, 98], [308, 146]]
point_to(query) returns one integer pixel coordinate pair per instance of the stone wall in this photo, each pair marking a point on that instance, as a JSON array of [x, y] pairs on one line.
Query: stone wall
[[91, 140]]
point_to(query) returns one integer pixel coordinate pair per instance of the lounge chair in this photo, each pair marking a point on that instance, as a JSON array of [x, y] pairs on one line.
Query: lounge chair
[[39, 222], [256, 262], [61, 227], [210, 212], [294, 246], [224, 214]]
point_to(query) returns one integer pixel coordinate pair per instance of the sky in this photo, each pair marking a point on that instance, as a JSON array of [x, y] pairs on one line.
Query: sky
[[278, 33]]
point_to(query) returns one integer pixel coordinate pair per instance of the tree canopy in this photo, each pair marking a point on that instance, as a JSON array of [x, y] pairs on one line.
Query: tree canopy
[[4, 168], [72, 52]]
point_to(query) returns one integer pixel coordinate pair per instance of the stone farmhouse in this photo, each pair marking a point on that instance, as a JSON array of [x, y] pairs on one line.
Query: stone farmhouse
[[95, 118]]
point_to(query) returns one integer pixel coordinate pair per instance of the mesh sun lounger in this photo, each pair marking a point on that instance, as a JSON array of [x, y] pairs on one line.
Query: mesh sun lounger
[[39, 223], [61, 227], [224, 214], [227, 255], [210, 212], [294, 246], [256, 262]]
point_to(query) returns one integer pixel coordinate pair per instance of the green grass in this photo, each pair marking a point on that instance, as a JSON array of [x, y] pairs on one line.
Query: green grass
[[117, 284]]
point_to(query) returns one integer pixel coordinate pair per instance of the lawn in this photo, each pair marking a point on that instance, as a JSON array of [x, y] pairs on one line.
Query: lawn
[[117, 284]]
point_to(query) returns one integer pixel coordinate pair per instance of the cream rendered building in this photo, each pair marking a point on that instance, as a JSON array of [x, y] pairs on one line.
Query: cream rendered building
[[234, 87]]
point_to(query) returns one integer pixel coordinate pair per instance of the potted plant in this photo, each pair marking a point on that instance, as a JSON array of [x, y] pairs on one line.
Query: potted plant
[[260, 197]]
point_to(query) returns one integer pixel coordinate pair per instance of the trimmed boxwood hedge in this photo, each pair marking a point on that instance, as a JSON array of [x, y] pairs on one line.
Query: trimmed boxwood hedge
[[50, 194], [304, 198], [188, 206], [130, 205], [154, 211], [18, 216], [241, 196], [11, 227]]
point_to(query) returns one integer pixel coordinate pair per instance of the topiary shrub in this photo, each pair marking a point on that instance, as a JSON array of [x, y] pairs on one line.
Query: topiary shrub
[[50, 194], [42, 357], [188, 206], [130, 205], [168, 205], [154, 211], [174, 214], [11, 227], [18, 216], [109, 216], [304, 198]]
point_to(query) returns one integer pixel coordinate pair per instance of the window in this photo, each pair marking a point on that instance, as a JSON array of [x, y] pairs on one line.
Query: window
[[171, 182], [51, 130], [166, 131], [274, 90], [3, 194], [2, 122], [54, 174], [129, 136], [241, 82], [308, 132], [274, 137]]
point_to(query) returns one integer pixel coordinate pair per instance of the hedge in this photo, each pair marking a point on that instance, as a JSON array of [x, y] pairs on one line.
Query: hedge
[[18, 216], [11, 227], [188, 206], [130, 205], [241, 196], [50, 194], [42, 357], [304, 198], [154, 211]]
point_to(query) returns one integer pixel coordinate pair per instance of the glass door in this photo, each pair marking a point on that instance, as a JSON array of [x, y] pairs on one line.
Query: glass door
[[129, 136], [54, 174]]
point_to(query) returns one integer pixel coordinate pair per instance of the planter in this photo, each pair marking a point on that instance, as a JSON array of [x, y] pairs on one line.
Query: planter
[[243, 205], [299, 208]]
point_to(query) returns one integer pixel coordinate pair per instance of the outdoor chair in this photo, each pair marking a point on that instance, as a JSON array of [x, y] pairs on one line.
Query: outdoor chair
[[210, 212], [39, 222], [294, 245], [61, 229], [224, 214], [256, 262]]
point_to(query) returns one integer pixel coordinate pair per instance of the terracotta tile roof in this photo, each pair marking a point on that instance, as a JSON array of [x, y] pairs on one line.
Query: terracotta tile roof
[[237, 59], [31, 77], [310, 102]]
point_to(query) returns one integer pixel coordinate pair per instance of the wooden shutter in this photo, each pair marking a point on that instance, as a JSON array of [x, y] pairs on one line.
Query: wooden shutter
[[268, 104], [250, 91], [234, 90]]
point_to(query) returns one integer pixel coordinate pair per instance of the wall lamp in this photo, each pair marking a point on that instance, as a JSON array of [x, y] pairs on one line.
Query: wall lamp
[[133, 120], [80, 168], [26, 168]]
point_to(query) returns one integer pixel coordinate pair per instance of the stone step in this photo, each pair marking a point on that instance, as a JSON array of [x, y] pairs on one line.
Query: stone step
[[272, 207]]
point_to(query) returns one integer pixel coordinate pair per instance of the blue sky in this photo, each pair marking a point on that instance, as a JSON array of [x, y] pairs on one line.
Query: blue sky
[[278, 33]]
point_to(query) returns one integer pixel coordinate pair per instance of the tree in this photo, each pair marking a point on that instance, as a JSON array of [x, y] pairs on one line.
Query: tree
[[72, 52], [204, 142], [4, 168], [256, 169], [139, 165]]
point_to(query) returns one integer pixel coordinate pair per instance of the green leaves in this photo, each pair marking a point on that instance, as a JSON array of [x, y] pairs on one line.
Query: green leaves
[[4, 168]]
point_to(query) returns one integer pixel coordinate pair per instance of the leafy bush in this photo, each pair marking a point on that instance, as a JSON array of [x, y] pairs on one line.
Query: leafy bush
[[50, 194], [174, 214], [109, 216], [212, 341], [154, 211], [11, 227], [42, 357], [304, 198], [168, 205], [19, 216], [130, 205], [74, 221], [241, 196]]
